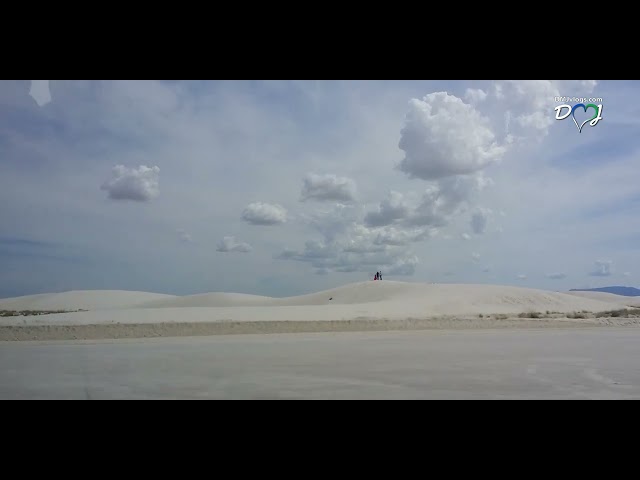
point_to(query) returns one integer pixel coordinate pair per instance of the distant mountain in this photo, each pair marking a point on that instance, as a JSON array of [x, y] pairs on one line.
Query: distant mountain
[[626, 291]]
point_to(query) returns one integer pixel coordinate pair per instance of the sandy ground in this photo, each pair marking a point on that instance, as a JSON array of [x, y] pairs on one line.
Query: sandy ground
[[185, 329], [363, 306], [584, 363], [608, 297]]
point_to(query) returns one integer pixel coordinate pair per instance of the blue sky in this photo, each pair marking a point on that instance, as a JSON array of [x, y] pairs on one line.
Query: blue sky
[[287, 187]]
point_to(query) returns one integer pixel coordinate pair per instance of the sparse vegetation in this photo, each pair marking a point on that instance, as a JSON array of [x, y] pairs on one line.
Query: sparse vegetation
[[480, 316], [622, 313], [530, 315], [29, 313], [577, 315], [501, 316]]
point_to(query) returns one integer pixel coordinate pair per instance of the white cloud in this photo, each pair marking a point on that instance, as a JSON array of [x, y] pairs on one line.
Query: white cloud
[[521, 276], [443, 136], [556, 276], [391, 209], [139, 185], [475, 95], [229, 244], [603, 268], [184, 236], [39, 91], [259, 213], [357, 250], [476, 257], [334, 222], [465, 236], [446, 198], [479, 220], [399, 237], [328, 188], [401, 267]]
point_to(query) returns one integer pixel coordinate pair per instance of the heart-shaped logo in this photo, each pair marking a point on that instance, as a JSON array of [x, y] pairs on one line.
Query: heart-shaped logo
[[573, 114]]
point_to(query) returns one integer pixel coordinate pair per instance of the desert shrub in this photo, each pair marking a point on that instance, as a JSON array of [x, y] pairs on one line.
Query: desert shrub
[[623, 312]]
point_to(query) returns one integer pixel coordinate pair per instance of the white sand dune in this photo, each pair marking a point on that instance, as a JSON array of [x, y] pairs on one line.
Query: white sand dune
[[609, 297], [80, 299], [217, 299], [385, 300]]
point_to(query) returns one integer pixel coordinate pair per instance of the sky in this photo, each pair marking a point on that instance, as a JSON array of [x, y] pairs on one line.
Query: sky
[[282, 188]]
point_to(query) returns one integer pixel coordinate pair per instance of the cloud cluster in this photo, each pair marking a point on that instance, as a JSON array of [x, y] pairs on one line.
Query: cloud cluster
[[229, 244], [328, 188], [135, 184], [443, 136], [348, 245], [475, 95], [391, 209], [556, 275], [603, 268], [259, 213]]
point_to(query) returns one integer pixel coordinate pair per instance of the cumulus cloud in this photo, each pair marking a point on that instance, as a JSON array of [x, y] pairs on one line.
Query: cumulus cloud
[[328, 188], [521, 276], [391, 209], [603, 268], [184, 236], [403, 267], [475, 95], [399, 237], [476, 257], [259, 213], [446, 198], [39, 91], [443, 136], [348, 255], [334, 222], [479, 220], [229, 244], [556, 276], [136, 184]]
